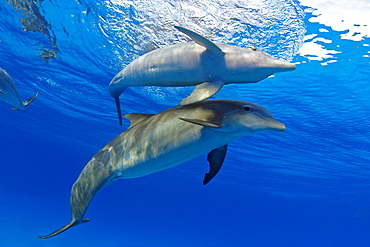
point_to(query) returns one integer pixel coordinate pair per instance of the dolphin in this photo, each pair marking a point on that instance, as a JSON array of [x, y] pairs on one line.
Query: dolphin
[[204, 64], [9, 93], [155, 142]]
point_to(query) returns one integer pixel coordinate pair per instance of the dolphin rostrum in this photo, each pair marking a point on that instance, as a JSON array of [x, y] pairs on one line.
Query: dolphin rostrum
[[156, 142], [204, 64], [9, 92]]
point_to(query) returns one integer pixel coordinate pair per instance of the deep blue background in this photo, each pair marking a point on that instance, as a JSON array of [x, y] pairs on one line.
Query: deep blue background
[[308, 186]]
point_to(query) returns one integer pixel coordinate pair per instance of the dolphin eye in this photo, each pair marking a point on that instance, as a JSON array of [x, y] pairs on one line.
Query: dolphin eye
[[254, 49], [247, 108]]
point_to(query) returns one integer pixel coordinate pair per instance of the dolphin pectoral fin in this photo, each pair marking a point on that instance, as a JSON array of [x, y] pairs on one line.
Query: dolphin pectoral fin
[[201, 122], [215, 158], [202, 41], [1, 91], [203, 91], [118, 106]]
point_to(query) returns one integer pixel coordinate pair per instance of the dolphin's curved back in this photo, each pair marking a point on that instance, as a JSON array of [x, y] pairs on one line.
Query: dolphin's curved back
[[97, 174]]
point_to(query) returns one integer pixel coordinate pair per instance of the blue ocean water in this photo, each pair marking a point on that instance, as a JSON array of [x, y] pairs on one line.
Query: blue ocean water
[[307, 186]]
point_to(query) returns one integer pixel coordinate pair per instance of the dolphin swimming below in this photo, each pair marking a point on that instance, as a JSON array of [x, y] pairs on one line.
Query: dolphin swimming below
[[9, 92], [204, 64], [155, 142]]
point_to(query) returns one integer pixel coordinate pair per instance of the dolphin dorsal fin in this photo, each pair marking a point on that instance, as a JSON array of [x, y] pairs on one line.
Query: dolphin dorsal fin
[[135, 118], [199, 39]]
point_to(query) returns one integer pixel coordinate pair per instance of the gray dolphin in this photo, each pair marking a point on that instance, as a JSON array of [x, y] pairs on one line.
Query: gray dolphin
[[156, 142], [9, 92], [203, 64]]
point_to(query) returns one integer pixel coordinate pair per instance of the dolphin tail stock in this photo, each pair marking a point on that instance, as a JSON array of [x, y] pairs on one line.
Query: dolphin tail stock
[[97, 174], [28, 101]]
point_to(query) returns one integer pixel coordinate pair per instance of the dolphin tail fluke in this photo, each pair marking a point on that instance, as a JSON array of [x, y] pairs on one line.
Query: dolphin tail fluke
[[27, 102], [30, 100], [118, 106], [98, 173], [64, 228]]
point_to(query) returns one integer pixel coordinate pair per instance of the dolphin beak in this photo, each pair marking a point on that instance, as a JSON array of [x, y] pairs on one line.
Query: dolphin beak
[[281, 66], [291, 66], [275, 126], [285, 66], [280, 127]]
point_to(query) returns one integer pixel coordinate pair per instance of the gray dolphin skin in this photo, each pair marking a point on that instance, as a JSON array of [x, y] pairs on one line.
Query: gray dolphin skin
[[9, 92], [203, 64], [155, 142]]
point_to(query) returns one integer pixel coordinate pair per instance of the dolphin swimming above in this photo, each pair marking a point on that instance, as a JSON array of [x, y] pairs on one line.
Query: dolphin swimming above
[[204, 64], [155, 142], [9, 92]]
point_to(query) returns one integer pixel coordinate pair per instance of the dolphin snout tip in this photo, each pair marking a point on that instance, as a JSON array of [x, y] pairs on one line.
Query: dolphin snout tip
[[281, 127], [282, 66], [289, 66], [292, 66], [277, 127]]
